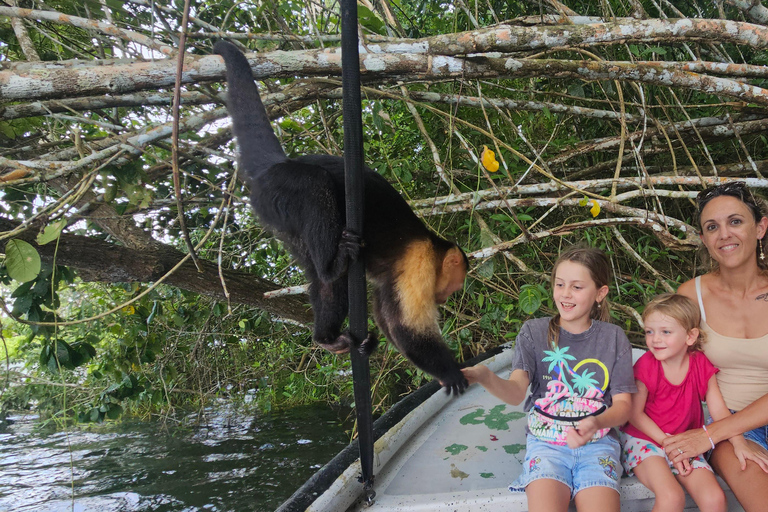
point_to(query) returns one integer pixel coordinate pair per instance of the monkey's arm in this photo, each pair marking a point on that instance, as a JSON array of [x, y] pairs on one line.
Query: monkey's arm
[[421, 343]]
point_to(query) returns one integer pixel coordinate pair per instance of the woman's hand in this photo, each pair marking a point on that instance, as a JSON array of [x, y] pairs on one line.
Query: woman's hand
[[685, 446], [745, 451]]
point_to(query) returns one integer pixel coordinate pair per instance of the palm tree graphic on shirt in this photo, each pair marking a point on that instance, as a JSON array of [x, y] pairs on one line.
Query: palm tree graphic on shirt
[[567, 381]]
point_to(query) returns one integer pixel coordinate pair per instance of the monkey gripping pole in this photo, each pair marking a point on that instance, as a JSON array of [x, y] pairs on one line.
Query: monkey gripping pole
[[353, 165]]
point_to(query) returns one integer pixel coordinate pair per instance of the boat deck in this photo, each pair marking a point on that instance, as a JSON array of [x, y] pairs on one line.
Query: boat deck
[[458, 454]]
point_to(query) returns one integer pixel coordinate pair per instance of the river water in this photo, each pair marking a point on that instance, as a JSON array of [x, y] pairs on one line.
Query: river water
[[227, 462]]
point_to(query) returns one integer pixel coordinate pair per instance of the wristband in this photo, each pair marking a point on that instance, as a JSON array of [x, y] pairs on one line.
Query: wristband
[[711, 442]]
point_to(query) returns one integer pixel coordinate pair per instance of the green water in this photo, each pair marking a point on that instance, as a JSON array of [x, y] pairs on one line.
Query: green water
[[227, 463]]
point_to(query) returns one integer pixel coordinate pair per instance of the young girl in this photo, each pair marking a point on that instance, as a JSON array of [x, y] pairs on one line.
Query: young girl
[[579, 368], [673, 378]]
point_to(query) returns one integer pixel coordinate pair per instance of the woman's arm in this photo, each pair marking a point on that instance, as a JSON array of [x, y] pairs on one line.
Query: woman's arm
[[511, 391], [695, 442], [744, 451]]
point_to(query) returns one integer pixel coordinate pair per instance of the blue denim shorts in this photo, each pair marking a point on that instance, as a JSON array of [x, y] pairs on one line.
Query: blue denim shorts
[[758, 435], [596, 464]]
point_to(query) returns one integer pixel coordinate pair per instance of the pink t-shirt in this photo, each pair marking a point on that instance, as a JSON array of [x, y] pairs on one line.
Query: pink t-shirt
[[674, 408]]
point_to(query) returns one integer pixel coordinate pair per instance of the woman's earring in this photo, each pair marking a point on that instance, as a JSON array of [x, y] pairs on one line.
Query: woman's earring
[[762, 254]]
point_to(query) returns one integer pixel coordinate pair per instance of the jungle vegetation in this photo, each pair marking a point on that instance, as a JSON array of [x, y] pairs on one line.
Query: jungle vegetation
[[133, 272]]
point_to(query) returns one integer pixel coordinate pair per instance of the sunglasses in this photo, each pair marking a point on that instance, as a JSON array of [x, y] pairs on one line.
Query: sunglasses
[[737, 189]]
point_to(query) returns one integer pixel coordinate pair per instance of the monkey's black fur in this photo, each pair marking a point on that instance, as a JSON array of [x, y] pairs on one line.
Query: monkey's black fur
[[302, 201]]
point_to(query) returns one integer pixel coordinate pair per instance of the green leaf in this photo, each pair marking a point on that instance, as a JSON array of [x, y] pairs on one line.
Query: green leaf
[[51, 232], [114, 411], [21, 260], [486, 269], [369, 20], [530, 299]]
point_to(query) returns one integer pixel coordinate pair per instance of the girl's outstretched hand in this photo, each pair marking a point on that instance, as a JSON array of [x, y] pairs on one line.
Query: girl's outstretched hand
[[479, 374]]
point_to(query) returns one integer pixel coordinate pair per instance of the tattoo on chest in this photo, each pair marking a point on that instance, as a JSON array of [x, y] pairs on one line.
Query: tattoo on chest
[[763, 297]]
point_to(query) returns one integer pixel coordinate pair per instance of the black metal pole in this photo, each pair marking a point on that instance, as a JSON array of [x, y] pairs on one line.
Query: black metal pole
[[353, 163]]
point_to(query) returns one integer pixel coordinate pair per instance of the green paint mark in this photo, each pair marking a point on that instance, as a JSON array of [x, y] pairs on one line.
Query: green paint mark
[[482, 448], [471, 418], [494, 420], [487, 475], [514, 448], [456, 449]]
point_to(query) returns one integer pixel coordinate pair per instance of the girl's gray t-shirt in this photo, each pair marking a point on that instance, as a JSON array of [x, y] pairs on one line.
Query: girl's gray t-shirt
[[596, 363]]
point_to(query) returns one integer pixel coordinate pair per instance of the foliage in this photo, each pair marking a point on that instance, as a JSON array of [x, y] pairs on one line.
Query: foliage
[[589, 159]]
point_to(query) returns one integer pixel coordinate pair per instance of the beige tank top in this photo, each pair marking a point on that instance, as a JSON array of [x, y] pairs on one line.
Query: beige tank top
[[743, 363]]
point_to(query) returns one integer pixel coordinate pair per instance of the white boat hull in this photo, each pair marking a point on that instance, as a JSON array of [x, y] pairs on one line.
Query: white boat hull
[[457, 454]]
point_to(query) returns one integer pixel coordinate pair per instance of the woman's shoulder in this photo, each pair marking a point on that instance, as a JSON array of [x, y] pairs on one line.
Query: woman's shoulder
[[688, 288]]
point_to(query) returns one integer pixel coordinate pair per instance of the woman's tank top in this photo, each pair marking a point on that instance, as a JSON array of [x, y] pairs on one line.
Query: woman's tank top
[[743, 363]]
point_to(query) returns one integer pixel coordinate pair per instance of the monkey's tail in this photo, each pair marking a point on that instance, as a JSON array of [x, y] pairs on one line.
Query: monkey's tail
[[259, 147]]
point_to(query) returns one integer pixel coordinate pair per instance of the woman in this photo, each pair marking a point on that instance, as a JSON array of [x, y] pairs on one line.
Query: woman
[[733, 298]]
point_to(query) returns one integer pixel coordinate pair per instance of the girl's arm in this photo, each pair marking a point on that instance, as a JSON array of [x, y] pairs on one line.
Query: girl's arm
[[642, 421], [511, 391], [616, 415], [719, 411]]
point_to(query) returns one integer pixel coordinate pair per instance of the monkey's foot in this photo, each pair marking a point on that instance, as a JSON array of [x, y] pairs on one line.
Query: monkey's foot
[[350, 244], [340, 345]]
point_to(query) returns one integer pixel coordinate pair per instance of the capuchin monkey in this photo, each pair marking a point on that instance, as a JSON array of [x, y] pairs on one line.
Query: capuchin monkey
[[301, 200]]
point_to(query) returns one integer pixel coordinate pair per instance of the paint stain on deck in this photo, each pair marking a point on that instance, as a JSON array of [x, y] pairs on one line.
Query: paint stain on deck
[[495, 419], [457, 473], [514, 449], [456, 449]]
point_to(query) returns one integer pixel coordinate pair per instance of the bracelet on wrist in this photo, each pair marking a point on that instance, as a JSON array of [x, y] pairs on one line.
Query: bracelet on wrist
[[711, 442]]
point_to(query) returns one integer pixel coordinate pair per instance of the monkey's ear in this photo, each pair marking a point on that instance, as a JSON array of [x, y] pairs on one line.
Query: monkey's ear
[[451, 275], [453, 258]]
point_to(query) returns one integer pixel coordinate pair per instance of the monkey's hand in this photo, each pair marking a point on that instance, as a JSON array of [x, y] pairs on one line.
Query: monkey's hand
[[368, 345], [454, 383]]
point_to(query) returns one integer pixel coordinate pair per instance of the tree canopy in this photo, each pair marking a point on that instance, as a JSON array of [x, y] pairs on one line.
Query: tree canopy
[[134, 268]]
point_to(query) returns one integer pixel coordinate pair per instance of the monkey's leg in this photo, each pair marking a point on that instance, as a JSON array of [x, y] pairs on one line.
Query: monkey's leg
[[330, 306], [331, 247]]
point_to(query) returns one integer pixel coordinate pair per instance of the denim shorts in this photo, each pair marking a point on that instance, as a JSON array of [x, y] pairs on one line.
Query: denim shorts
[[758, 435], [596, 464]]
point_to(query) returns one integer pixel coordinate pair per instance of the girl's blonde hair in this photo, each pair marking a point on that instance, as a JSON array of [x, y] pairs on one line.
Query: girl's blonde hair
[[599, 268], [682, 310]]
